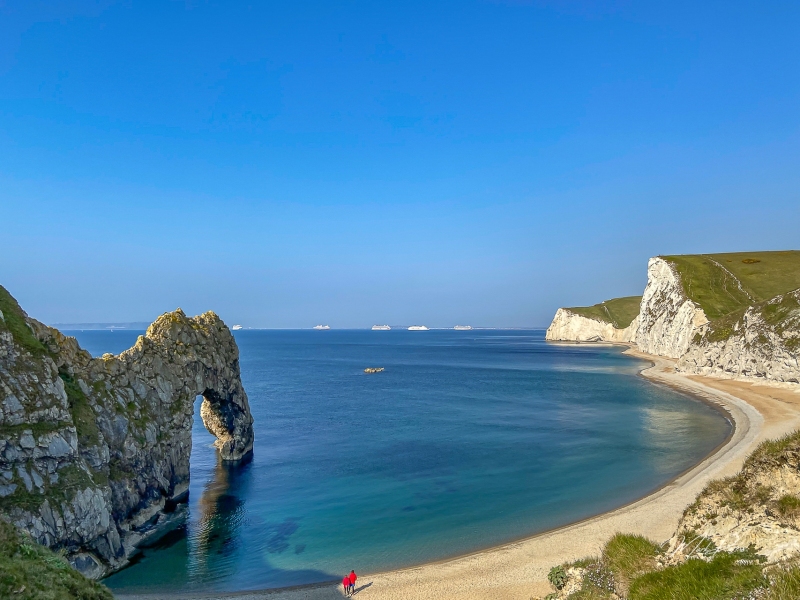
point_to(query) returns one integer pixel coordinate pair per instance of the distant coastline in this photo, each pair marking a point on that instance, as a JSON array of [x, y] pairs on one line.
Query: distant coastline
[[129, 325], [142, 326]]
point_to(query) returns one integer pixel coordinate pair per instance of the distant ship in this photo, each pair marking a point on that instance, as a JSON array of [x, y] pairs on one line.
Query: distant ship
[[462, 327], [322, 326], [380, 328], [418, 328], [236, 327]]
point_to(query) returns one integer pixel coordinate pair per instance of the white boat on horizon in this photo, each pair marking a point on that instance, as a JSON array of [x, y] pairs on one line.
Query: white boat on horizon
[[236, 327], [418, 328], [320, 327], [462, 327], [380, 328]]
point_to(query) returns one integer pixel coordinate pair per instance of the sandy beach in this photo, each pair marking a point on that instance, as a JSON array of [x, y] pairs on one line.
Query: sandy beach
[[518, 570]]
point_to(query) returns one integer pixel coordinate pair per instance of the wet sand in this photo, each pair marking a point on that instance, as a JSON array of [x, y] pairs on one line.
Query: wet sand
[[518, 570]]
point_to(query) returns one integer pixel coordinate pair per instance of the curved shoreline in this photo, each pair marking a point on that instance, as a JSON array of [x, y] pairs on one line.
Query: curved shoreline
[[518, 569]]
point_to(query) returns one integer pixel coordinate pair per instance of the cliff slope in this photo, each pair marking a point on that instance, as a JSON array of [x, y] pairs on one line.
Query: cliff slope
[[610, 321], [759, 506], [761, 343], [94, 452], [726, 315], [668, 317]]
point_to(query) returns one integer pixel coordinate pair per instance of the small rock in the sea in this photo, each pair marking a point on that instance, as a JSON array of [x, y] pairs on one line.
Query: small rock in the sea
[[373, 370]]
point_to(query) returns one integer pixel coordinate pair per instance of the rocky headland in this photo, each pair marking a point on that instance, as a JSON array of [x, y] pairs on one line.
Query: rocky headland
[[725, 315], [94, 452]]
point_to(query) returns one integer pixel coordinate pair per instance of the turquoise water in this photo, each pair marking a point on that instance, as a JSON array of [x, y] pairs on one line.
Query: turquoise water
[[467, 440]]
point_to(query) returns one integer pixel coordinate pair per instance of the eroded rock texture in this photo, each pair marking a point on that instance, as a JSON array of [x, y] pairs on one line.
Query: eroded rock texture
[[762, 344], [668, 320], [758, 506], [94, 452], [570, 327], [758, 343]]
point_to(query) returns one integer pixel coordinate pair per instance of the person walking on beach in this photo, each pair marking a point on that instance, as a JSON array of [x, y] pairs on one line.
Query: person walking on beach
[[353, 578], [346, 585]]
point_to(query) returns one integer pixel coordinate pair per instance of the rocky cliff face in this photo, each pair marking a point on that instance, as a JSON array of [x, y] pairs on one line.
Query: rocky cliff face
[[759, 506], [571, 327], [94, 452], [759, 343], [762, 344], [668, 320]]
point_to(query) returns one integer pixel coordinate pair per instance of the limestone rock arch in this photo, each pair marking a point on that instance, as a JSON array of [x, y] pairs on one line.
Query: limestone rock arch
[[180, 358], [98, 449]]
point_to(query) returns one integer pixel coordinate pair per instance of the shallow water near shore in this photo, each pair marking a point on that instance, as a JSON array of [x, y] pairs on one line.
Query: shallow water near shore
[[468, 439]]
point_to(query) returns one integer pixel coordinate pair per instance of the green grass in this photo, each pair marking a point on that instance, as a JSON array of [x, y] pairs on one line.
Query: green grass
[[82, 413], [37, 429], [741, 492], [29, 571], [620, 312], [14, 321], [723, 284], [728, 575], [722, 328], [629, 556], [784, 583], [71, 479], [788, 505], [774, 451], [775, 273], [21, 498], [715, 290]]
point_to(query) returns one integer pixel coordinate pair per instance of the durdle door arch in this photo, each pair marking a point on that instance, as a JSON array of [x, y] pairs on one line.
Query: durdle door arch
[[180, 358], [99, 448]]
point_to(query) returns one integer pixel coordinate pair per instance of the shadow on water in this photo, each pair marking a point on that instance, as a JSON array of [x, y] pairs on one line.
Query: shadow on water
[[205, 553], [213, 547]]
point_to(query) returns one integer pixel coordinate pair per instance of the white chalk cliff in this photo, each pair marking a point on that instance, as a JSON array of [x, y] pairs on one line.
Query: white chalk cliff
[[760, 345], [668, 320], [665, 326], [763, 345], [568, 326]]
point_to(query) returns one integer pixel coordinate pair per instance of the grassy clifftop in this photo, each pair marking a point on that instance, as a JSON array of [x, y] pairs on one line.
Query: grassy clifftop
[[620, 312], [13, 319], [29, 571], [724, 284]]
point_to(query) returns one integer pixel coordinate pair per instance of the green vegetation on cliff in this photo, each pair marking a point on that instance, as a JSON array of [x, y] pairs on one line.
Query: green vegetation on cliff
[[29, 571], [744, 491], [82, 414], [620, 312], [14, 320], [628, 568], [726, 575], [692, 566], [726, 284]]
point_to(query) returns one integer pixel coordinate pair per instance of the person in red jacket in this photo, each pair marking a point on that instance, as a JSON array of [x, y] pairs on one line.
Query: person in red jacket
[[346, 585], [353, 578]]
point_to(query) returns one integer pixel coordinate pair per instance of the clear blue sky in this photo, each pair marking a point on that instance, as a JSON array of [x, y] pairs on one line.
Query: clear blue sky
[[351, 163]]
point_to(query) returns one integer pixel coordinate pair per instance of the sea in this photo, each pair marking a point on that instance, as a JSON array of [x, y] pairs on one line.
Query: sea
[[466, 440]]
